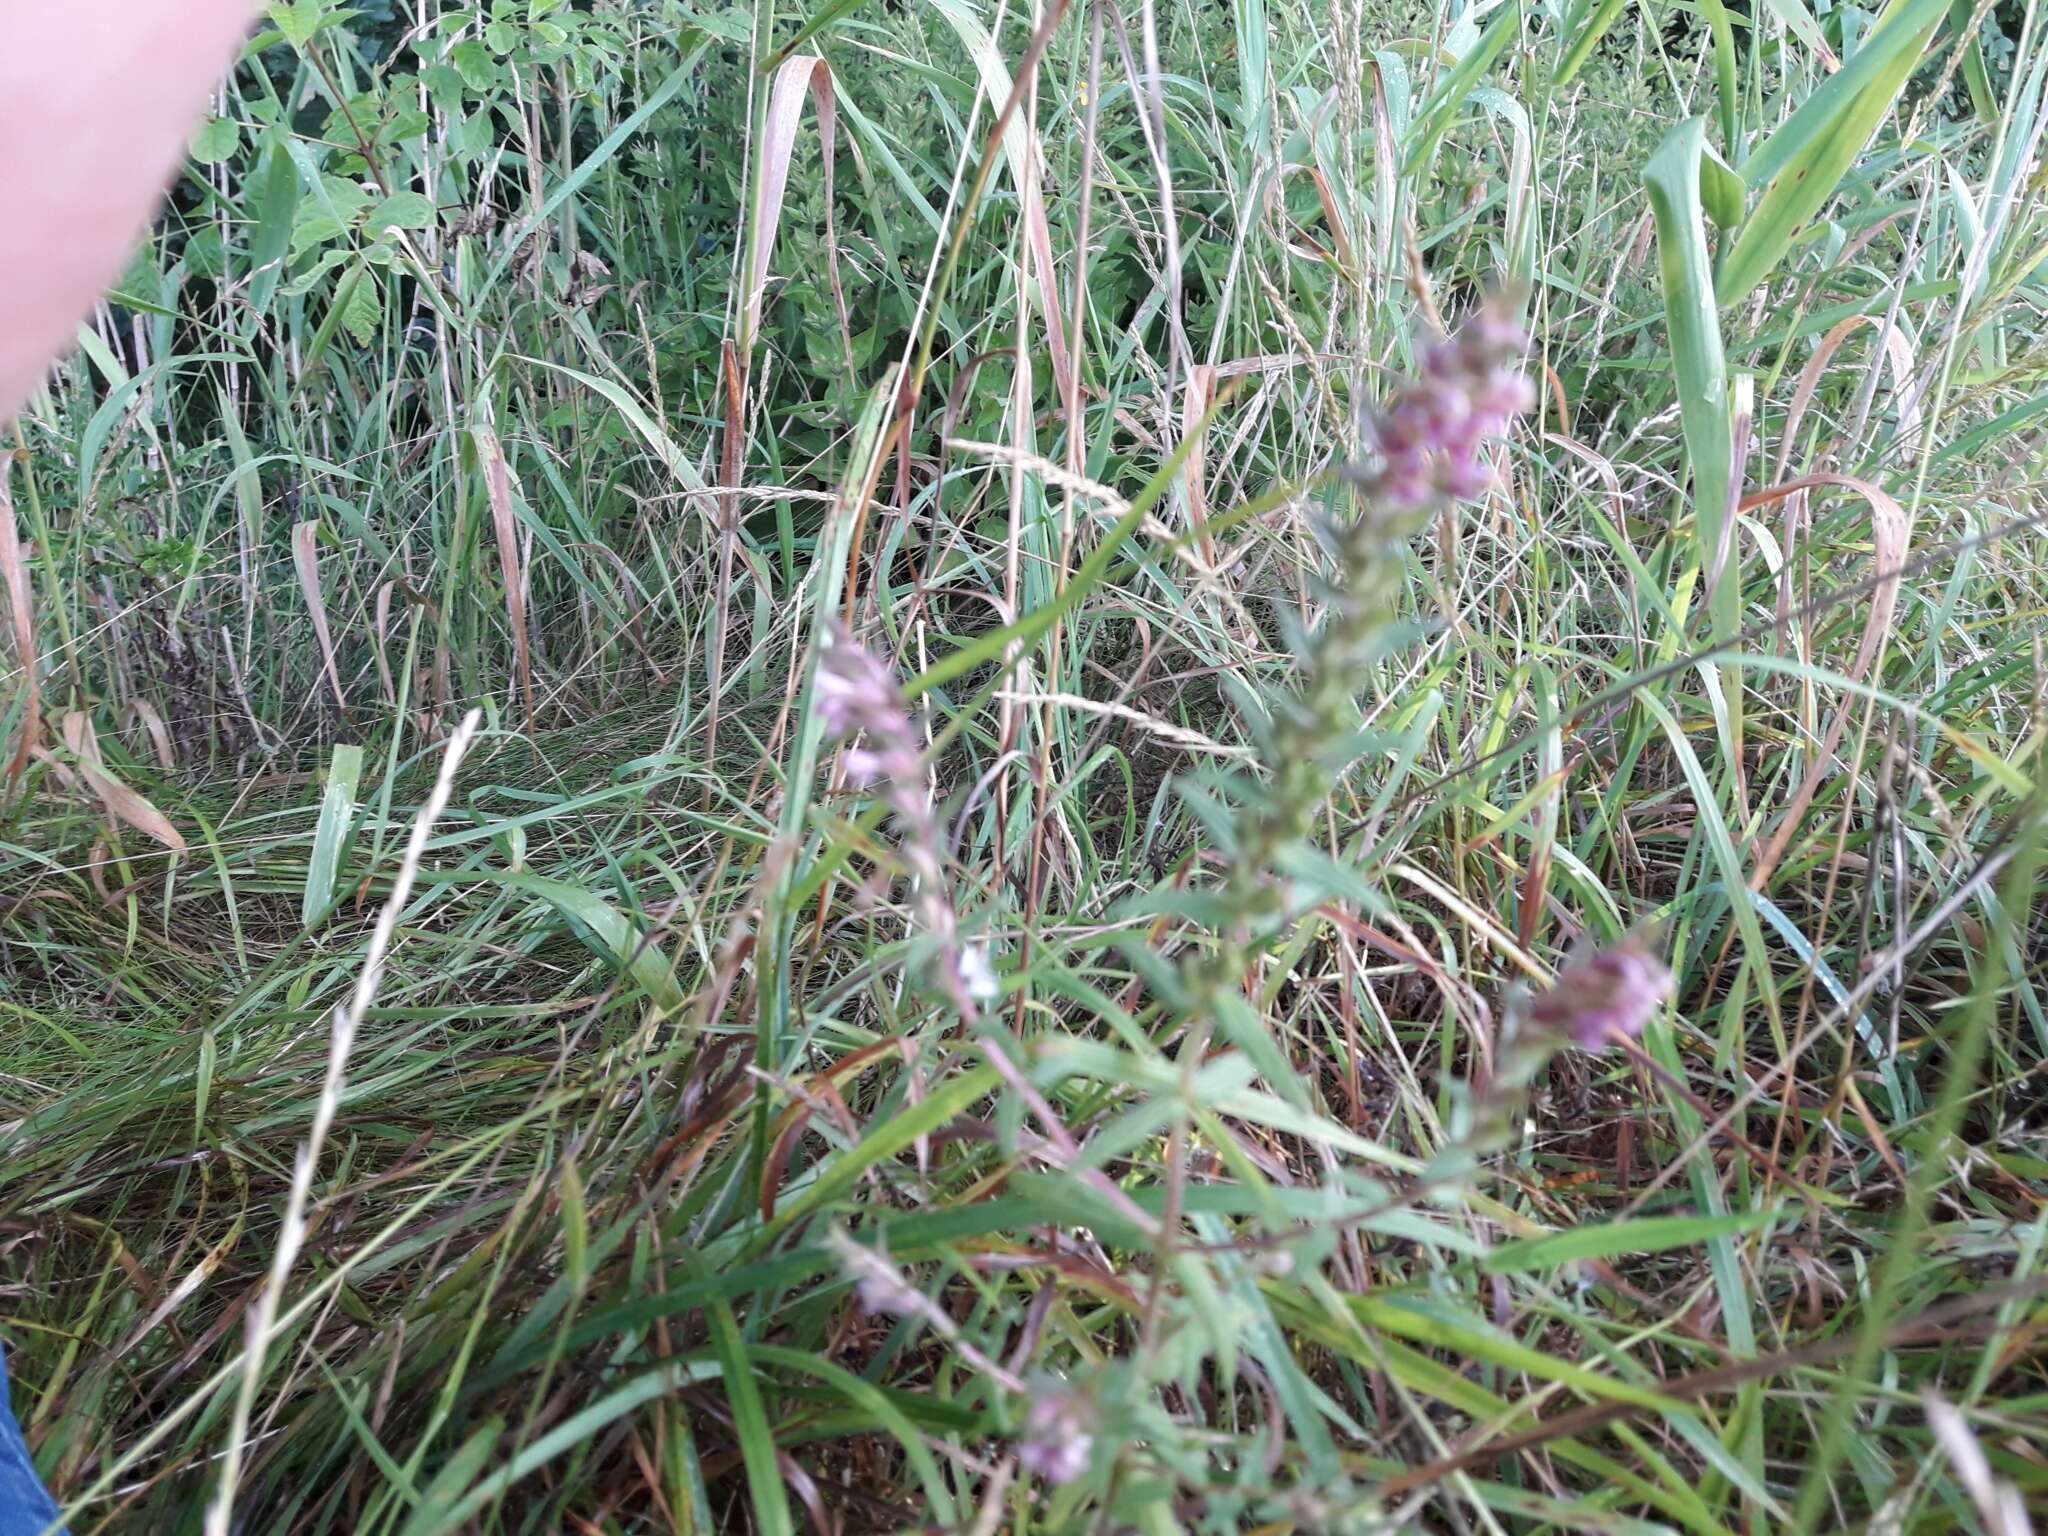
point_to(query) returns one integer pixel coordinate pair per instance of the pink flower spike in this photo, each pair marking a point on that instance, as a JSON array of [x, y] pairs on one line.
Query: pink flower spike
[[1429, 436], [1611, 992]]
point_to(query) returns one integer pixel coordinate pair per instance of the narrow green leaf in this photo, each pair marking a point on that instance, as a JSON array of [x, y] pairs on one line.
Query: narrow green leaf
[[1590, 29], [750, 1423], [672, 457], [1807, 157], [1445, 102], [1645, 1234], [441, 1502]]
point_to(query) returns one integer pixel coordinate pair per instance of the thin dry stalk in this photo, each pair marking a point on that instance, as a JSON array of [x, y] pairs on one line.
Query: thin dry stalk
[[348, 1018]]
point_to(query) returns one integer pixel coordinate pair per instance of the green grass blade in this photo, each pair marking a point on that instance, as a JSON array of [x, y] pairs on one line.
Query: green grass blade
[[331, 831], [1800, 166]]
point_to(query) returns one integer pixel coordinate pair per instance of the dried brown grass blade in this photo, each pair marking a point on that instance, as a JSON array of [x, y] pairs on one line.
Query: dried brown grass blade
[[778, 146], [1897, 353], [1333, 216], [490, 454], [14, 577], [159, 734], [1021, 152], [307, 561], [1900, 357], [1891, 534], [121, 802]]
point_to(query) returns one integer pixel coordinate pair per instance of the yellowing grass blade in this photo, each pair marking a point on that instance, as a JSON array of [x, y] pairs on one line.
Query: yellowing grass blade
[[121, 802], [778, 146], [306, 561]]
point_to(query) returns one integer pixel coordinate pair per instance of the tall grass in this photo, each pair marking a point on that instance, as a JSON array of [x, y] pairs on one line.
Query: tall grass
[[590, 365]]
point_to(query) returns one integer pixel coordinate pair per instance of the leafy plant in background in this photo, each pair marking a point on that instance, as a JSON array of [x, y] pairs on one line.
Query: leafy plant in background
[[1129, 1086]]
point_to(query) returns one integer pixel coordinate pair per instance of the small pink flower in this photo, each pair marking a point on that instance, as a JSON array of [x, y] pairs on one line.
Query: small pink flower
[[1504, 394], [1608, 993], [1467, 479], [854, 692], [1056, 1444], [1406, 489]]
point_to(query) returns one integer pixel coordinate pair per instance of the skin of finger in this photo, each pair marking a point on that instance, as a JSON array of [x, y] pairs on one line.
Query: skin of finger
[[98, 99]]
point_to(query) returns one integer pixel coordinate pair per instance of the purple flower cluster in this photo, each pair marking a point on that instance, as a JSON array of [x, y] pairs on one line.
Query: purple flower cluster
[[856, 696], [1609, 993], [1057, 1441], [1429, 438]]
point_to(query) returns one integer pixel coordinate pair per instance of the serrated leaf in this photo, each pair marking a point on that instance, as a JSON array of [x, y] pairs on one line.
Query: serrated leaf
[[298, 20], [362, 307], [473, 61]]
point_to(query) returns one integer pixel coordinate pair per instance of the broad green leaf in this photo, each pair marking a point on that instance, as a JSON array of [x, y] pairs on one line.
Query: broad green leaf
[[623, 941], [298, 20], [402, 210], [216, 140], [330, 833], [473, 61]]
